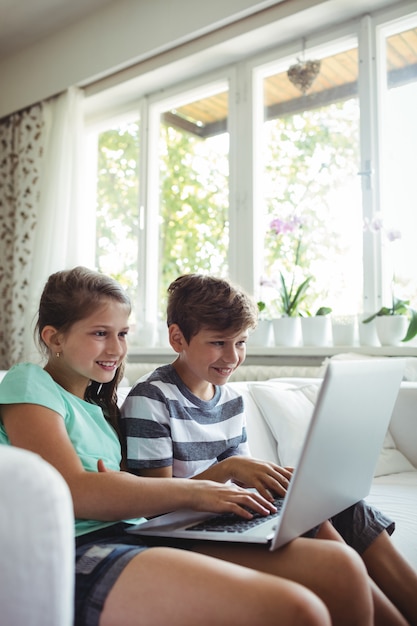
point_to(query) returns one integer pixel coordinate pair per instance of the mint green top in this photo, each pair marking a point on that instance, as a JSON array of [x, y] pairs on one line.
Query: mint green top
[[92, 436]]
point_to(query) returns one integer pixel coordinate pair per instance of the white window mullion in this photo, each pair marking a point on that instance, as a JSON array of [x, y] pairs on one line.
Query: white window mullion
[[369, 166], [144, 307], [243, 269], [150, 151]]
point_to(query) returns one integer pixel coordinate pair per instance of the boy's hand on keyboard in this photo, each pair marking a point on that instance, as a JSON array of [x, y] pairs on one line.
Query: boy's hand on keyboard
[[268, 478]]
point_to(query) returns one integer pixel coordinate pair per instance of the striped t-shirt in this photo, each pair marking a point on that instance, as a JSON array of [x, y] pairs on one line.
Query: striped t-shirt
[[166, 425]]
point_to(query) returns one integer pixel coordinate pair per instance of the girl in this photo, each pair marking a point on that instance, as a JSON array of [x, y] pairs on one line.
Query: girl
[[67, 412]]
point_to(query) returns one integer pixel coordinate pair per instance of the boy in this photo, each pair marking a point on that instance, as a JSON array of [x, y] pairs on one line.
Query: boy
[[183, 420]]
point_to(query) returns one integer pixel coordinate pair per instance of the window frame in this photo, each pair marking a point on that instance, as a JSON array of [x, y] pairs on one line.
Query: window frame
[[244, 114]]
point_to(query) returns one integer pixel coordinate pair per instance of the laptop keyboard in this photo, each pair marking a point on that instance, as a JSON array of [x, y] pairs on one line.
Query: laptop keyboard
[[230, 522]]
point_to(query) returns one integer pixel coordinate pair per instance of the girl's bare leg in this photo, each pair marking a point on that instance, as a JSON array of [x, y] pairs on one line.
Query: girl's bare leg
[[331, 569], [165, 586]]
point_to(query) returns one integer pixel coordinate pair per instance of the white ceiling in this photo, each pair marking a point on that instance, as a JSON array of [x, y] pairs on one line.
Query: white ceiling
[[23, 22]]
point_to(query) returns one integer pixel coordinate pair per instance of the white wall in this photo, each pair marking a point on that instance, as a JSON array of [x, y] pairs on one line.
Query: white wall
[[112, 38], [126, 32]]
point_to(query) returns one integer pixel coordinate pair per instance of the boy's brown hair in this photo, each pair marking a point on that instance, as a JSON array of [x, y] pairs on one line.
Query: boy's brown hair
[[197, 301]]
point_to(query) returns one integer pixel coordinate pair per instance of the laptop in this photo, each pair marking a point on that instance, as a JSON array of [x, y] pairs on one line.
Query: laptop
[[335, 467]]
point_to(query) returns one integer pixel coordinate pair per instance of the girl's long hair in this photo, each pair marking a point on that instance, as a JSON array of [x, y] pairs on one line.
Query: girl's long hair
[[68, 297]]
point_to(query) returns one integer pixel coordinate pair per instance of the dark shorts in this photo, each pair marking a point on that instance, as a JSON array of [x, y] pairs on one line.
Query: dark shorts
[[101, 556], [360, 525]]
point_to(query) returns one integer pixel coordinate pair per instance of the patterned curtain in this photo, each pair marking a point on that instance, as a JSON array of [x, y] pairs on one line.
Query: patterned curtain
[[21, 150]]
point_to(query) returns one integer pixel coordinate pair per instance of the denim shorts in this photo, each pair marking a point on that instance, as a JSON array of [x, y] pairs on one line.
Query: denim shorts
[[101, 556]]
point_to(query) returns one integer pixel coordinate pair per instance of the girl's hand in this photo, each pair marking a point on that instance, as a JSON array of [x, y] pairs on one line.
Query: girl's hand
[[228, 498], [225, 499], [101, 467]]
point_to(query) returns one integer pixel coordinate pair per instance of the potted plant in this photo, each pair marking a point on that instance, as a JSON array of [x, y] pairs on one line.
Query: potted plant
[[291, 299], [287, 327], [316, 328], [261, 336], [344, 329], [291, 284], [395, 324]]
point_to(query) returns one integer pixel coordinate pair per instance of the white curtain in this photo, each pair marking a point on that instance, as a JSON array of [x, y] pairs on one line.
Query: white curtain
[[65, 224]]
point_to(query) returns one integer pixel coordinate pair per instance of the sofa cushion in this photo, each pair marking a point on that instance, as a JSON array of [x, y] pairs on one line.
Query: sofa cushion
[[391, 460], [395, 495], [262, 443], [288, 411]]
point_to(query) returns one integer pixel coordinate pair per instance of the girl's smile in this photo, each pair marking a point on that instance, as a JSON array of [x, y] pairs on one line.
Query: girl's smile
[[92, 349]]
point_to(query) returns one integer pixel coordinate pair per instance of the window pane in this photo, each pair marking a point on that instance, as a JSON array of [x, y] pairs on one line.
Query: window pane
[[310, 156], [399, 166], [117, 216], [194, 191]]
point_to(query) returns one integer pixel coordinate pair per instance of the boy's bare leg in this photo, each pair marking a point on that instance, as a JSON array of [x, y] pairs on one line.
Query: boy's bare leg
[[164, 586], [330, 569], [393, 582], [393, 575]]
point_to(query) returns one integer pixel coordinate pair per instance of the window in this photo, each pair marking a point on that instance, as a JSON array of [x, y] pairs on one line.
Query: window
[[192, 177], [398, 135], [311, 196], [177, 220], [117, 211], [189, 185]]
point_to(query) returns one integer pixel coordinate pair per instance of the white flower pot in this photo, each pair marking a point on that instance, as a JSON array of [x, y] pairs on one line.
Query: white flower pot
[[316, 330], [391, 329], [287, 331], [367, 332], [262, 336], [344, 330]]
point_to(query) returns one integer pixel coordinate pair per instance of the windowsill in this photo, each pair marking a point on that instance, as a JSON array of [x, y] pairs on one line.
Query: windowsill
[[302, 355]]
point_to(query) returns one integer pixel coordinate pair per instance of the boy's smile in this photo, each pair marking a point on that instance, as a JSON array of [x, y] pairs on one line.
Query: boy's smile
[[210, 358]]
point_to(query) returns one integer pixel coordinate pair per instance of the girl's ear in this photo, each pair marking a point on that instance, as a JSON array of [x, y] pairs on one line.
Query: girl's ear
[[51, 338], [176, 338]]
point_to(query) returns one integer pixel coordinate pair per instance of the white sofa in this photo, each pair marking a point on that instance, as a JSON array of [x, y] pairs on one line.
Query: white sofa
[[36, 542], [36, 509], [277, 419], [280, 401]]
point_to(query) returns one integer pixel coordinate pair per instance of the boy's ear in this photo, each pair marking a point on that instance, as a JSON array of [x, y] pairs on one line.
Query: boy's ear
[[176, 338], [51, 338]]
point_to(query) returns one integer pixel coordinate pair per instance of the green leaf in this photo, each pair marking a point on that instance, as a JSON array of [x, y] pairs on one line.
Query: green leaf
[[324, 310], [369, 319], [412, 327], [290, 303], [382, 311], [385, 311], [400, 307]]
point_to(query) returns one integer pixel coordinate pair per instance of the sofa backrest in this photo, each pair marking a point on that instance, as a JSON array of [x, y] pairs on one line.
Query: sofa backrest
[[263, 441]]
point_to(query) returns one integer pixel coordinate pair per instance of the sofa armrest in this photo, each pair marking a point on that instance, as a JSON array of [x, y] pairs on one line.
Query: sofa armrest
[[403, 426], [36, 542]]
